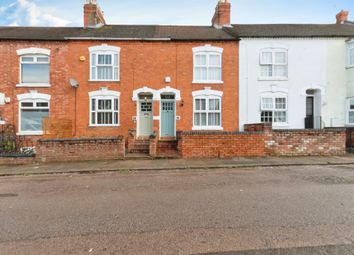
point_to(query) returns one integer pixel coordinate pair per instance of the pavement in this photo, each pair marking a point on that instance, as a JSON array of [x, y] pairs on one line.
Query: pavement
[[244, 211], [169, 164]]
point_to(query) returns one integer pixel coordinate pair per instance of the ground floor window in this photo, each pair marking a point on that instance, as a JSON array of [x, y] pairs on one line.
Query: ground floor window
[[104, 107], [104, 111], [32, 113], [274, 110], [207, 110], [350, 111]]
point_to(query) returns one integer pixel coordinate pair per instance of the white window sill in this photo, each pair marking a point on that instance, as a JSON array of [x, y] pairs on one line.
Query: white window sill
[[207, 82], [273, 79], [104, 125], [2, 122], [104, 80], [30, 133], [207, 129], [349, 67], [33, 85]]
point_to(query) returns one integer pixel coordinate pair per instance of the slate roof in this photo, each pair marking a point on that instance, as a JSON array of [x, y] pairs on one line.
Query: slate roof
[[177, 33], [119, 32], [291, 30]]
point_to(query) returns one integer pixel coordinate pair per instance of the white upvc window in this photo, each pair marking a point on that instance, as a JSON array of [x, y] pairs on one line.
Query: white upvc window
[[207, 64], [34, 67], [33, 108], [274, 64], [274, 109], [351, 54], [104, 63], [207, 110], [350, 111], [104, 108]]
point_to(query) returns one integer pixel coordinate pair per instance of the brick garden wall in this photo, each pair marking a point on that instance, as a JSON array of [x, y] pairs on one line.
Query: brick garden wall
[[51, 150], [221, 144], [17, 160], [261, 140], [306, 142]]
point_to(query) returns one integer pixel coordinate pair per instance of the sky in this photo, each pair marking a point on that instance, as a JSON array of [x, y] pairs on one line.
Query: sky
[[174, 12]]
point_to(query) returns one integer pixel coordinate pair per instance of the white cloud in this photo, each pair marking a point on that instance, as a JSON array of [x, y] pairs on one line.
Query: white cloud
[[27, 13]]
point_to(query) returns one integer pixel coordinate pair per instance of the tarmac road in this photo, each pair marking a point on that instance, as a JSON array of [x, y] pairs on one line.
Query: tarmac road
[[285, 210]]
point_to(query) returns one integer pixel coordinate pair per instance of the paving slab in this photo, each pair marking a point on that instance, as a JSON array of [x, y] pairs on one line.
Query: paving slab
[[169, 164]]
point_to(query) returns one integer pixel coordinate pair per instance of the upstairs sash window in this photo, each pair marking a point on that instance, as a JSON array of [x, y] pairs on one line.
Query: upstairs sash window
[[35, 69], [274, 64], [207, 64], [105, 63]]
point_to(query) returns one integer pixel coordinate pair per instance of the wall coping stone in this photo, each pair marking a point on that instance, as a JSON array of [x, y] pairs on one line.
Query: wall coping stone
[[190, 133], [16, 155], [89, 139], [327, 130]]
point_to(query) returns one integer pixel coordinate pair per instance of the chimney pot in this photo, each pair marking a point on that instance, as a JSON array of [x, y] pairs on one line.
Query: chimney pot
[[222, 16], [342, 17]]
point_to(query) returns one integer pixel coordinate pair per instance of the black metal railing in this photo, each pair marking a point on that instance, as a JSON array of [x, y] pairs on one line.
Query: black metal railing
[[313, 122], [309, 123], [12, 145], [350, 142]]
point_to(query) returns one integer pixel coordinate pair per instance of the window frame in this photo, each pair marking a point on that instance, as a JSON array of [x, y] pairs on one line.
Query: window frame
[[104, 94], [348, 111], [273, 109], [207, 51], [104, 50], [35, 53], [350, 47], [273, 63], [34, 100], [207, 95]]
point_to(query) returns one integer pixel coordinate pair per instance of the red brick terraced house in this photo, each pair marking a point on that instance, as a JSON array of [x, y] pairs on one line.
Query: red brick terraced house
[[120, 80]]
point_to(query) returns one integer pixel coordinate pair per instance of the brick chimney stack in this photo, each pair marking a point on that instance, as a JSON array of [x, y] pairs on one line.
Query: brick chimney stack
[[222, 16], [342, 17], [93, 15]]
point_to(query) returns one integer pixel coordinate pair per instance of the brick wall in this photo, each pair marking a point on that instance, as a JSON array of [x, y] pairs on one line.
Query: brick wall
[[62, 94], [261, 140], [147, 64], [221, 144], [141, 64], [306, 142], [258, 127], [51, 150], [17, 160]]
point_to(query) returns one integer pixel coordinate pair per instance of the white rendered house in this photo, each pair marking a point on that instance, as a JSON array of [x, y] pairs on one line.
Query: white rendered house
[[295, 76]]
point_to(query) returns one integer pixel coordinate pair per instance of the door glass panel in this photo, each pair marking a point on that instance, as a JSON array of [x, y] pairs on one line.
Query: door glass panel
[[309, 106], [146, 107]]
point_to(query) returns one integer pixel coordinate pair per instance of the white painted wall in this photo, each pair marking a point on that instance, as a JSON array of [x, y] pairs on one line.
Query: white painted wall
[[334, 113], [312, 64]]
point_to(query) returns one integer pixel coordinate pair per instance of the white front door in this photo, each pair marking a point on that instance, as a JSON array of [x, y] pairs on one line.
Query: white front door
[[145, 122]]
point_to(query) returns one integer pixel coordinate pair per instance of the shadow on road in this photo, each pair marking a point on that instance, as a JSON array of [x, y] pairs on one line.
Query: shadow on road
[[319, 250]]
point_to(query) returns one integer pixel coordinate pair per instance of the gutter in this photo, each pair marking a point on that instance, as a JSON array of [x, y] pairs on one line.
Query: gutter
[[115, 39], [144, 39]]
